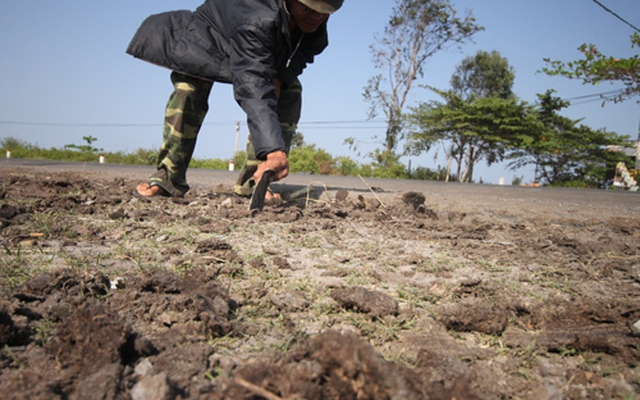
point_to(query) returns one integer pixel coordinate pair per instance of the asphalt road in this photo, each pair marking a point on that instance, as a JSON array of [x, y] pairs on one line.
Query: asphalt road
[[624, 203]]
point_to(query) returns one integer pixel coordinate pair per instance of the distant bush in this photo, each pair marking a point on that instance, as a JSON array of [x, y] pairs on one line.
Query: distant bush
[[347, 167], [311, 160], [13, 144], [209, 164], [517, 180], [427, 174], [572, 184]]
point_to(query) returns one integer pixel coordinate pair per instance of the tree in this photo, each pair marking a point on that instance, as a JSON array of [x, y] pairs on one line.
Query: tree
[[595, 67], [480, 115], [417, 29], [297, 140], [484, 75], [542, 132], [563, 151], [478, 128], [88, 148]]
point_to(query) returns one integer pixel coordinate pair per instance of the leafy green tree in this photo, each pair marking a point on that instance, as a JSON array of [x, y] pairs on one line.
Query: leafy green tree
[[478, 128], [563, 151], [484, 75], [596, 67], [417, 29], [298, 140], [543, 131]]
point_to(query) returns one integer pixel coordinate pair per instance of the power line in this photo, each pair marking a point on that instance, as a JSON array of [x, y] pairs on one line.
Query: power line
[[352, 124], [588, 101], [616, 15], [611, 94], [74, 124], [341, 127], [216, 123], [595, 95], [347, 121]]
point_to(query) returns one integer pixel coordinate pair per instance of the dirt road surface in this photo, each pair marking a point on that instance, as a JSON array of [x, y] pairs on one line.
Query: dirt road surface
[[352, 289]]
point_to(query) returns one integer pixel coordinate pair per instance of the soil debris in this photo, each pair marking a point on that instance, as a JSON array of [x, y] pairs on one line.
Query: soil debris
[[367, 296]]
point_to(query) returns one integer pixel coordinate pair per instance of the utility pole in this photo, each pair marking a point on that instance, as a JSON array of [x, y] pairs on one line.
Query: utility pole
[[235, 152]]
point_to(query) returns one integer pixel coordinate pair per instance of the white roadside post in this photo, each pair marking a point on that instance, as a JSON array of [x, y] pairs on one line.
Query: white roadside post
[[235, 151]]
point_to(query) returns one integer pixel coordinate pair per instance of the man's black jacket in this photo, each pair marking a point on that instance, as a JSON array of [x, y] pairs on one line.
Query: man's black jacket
[[243, 42]]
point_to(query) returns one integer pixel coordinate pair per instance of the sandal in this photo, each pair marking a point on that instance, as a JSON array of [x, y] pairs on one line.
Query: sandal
[[146, 191], [166, 188]]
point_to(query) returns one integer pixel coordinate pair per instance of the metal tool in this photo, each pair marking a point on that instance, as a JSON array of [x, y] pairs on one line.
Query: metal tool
[[260, 191]]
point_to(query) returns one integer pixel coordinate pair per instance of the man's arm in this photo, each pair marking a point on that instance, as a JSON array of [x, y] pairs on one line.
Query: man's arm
[[276, 160], [252, 68]]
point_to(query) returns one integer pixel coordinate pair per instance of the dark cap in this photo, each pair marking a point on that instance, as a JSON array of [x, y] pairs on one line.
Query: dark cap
[[323, 6]]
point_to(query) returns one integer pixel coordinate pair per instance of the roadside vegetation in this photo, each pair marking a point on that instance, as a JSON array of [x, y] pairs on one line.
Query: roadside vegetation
[[304, 158], [590, 168]]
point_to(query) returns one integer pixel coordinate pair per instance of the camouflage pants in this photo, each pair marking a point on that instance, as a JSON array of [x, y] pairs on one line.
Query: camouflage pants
[[185, 112]]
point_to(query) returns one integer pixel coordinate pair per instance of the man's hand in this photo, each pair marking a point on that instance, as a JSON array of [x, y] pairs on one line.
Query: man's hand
[[276, 160]]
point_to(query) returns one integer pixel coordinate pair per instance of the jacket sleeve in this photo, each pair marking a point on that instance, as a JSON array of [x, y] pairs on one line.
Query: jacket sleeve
[[252, 68]]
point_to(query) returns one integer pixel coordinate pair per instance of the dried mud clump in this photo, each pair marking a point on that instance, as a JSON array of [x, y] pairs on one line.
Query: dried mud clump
[[334, 366], [370, 302]]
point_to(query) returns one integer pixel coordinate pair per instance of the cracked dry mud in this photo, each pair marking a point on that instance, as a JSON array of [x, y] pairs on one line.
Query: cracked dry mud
[[105, 296]]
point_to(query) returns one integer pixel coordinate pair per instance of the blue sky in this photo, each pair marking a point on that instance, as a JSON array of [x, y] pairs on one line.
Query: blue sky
[[65, 73]]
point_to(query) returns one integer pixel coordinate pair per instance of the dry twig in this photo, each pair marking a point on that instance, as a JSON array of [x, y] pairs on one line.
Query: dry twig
[[256, 389], [372, 191]]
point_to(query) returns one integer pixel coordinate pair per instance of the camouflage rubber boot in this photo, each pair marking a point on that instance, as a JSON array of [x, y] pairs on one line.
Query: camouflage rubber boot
[[289, 106], [185, 111]]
